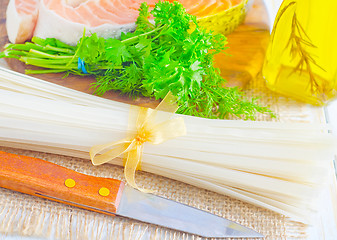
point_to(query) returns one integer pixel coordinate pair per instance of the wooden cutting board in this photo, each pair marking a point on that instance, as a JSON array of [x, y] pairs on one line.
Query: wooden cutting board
[[239, 64]]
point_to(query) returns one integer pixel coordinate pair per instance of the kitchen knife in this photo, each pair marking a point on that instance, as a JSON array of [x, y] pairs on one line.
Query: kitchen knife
[[110, 196]]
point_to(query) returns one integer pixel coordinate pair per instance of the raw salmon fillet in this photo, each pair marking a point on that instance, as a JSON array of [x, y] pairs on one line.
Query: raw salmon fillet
[[21, 19], [67, 19]]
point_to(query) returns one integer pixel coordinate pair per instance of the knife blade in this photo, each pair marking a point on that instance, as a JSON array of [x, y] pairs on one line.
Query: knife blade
[[44, 179]]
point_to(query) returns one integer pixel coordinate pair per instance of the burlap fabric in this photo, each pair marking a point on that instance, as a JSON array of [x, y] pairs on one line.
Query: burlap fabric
[[31, 216]]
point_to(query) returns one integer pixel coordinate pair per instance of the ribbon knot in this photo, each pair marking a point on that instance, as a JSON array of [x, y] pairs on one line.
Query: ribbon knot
[[145, 125], [141, 138]]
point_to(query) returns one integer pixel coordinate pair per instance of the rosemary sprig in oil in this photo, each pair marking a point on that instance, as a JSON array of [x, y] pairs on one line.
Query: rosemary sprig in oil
[[300, 46]]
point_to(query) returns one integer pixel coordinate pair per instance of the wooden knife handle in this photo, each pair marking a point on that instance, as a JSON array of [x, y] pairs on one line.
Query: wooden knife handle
[[47, 180]]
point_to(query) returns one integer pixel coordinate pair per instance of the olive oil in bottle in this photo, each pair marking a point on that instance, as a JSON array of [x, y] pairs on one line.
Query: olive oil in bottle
[[301, 59]]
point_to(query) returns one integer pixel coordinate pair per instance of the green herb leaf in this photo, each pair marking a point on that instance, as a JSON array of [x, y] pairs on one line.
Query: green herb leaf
[[159, 56]]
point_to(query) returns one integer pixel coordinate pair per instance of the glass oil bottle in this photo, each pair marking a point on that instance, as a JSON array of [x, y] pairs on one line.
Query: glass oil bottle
[[301, 59]]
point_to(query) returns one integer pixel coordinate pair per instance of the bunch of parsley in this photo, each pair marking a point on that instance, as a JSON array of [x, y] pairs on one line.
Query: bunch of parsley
[[163, 55]]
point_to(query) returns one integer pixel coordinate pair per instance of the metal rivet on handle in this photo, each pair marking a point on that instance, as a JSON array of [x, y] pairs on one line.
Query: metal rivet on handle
[[70, 183], [104, 191]]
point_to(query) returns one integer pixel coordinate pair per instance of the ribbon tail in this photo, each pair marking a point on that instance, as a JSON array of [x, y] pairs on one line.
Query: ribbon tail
[[169, 129], [118, 148], [168, 104], [131, 166]]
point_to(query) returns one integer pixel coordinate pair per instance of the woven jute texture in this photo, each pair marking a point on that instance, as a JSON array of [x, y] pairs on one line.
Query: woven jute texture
[[31, 216]]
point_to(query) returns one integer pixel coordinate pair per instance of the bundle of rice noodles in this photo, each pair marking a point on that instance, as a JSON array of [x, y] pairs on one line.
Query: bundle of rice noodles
[[279, 166]]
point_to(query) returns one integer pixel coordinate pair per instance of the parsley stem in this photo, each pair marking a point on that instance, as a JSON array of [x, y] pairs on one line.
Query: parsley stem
[[50, 56], [26, 47], [136, 38], [13, 53], [57, 49], [78, 47], [57, 64], [43, 71], [33, 61], [160, 34], [150, 25]]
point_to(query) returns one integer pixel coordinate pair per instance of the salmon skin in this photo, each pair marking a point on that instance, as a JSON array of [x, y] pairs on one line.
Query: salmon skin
[[67, 19]]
